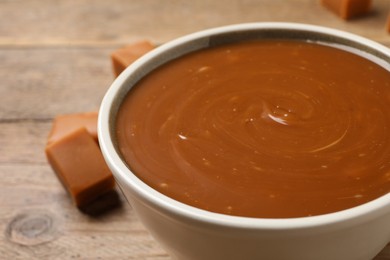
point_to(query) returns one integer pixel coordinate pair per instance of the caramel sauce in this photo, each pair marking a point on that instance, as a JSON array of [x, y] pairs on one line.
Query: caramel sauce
[[269, 129]]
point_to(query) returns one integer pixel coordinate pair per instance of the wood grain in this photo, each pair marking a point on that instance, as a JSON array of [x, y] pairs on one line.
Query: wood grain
[[90, 22], [48, 81], [54, 60]]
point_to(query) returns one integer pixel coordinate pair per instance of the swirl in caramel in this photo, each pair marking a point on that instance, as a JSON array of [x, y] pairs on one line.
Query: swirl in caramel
[[269, 129]]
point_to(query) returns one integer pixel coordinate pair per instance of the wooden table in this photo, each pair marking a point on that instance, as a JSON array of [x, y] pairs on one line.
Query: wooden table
[[54, 59]]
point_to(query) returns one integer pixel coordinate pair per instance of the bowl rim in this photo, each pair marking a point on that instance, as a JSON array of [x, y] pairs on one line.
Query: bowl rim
[[163, 203]]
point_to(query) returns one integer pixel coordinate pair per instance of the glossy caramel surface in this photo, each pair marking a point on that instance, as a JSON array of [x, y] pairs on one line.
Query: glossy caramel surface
[[269, 129]]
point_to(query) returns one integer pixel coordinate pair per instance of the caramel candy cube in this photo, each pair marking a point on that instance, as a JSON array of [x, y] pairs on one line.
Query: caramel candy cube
[[348, 9], [79, 164], [388, 23], [65, 124], [123, 57]]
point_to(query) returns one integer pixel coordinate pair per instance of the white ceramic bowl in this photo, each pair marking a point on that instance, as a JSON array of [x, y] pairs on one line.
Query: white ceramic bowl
[[190, 233]]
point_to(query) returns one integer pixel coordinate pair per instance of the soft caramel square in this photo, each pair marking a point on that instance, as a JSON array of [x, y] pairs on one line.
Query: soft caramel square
[[65, 124], [80, 166], [348, 9], [123, 57]]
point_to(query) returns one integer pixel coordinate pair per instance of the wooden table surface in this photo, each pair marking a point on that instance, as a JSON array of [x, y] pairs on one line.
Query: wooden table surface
[[54, 59]]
